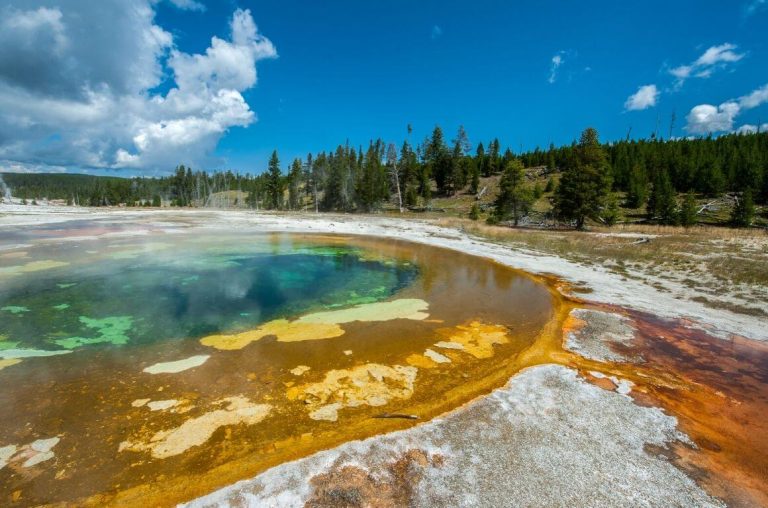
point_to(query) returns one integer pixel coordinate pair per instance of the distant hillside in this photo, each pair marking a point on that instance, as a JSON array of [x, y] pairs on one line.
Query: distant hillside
[[57, 185]]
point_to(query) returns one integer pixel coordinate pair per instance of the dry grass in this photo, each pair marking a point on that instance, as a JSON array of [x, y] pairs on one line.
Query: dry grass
[[694, 232]]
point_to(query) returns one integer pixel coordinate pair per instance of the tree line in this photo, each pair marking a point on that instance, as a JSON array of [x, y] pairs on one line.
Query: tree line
[[648, 174]]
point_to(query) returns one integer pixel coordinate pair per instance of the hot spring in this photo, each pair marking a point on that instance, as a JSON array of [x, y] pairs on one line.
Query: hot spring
[[147, 369]]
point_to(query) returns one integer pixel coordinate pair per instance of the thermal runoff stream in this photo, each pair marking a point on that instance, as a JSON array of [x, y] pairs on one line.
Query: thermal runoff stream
[[148, 367]]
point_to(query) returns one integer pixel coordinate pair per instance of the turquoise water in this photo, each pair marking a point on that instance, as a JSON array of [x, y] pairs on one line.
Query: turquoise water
[[136, 295]]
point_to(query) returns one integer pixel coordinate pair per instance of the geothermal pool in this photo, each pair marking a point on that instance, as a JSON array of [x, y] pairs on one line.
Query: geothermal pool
[[150, 366]]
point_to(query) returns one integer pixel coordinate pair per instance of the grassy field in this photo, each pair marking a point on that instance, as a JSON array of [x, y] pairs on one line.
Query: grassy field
[[459, 205]]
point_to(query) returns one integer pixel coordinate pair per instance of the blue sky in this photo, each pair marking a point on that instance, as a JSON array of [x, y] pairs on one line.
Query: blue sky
[[529, 73]]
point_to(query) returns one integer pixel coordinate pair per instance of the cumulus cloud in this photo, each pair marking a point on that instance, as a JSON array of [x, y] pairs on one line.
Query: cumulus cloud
[[714, 58], [78, 84], [751, 129], [645, 97], [706, 118]]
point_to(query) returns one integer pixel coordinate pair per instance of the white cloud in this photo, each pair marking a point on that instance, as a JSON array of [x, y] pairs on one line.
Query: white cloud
[[557, 61], [706, 118], [436, 32], [189, 5], [717, 54], [29, 24], [714, 58], [645, 97], [19, 167], [225, 65], [751, 129], [76, 86], [755, 99], [682, 72]]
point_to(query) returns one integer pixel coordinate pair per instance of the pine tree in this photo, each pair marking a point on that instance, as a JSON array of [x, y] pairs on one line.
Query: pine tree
[[744, 212], [585, 182], [711, 180], [474, 212], [457, 179], [372, 185], [439, 161], [637, 186], [494, 161], [294, 185], [765, 182], [274, 184], [507, 158], [474, 184], [481, 160], [334, 184], [662, 206], [551, 164], [611, 211], [462, 140], [688, 215], [514, 199]]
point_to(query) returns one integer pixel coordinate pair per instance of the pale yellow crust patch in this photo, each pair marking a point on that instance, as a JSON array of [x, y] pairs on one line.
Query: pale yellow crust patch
[[420, 361], [405, 308], [321, 325], [284, 330], [476, 338], [299, 370], [196, 431], [7, 362], [371, 384]]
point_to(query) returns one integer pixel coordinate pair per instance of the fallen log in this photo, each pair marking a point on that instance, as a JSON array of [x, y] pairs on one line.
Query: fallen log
[[397, 415]]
